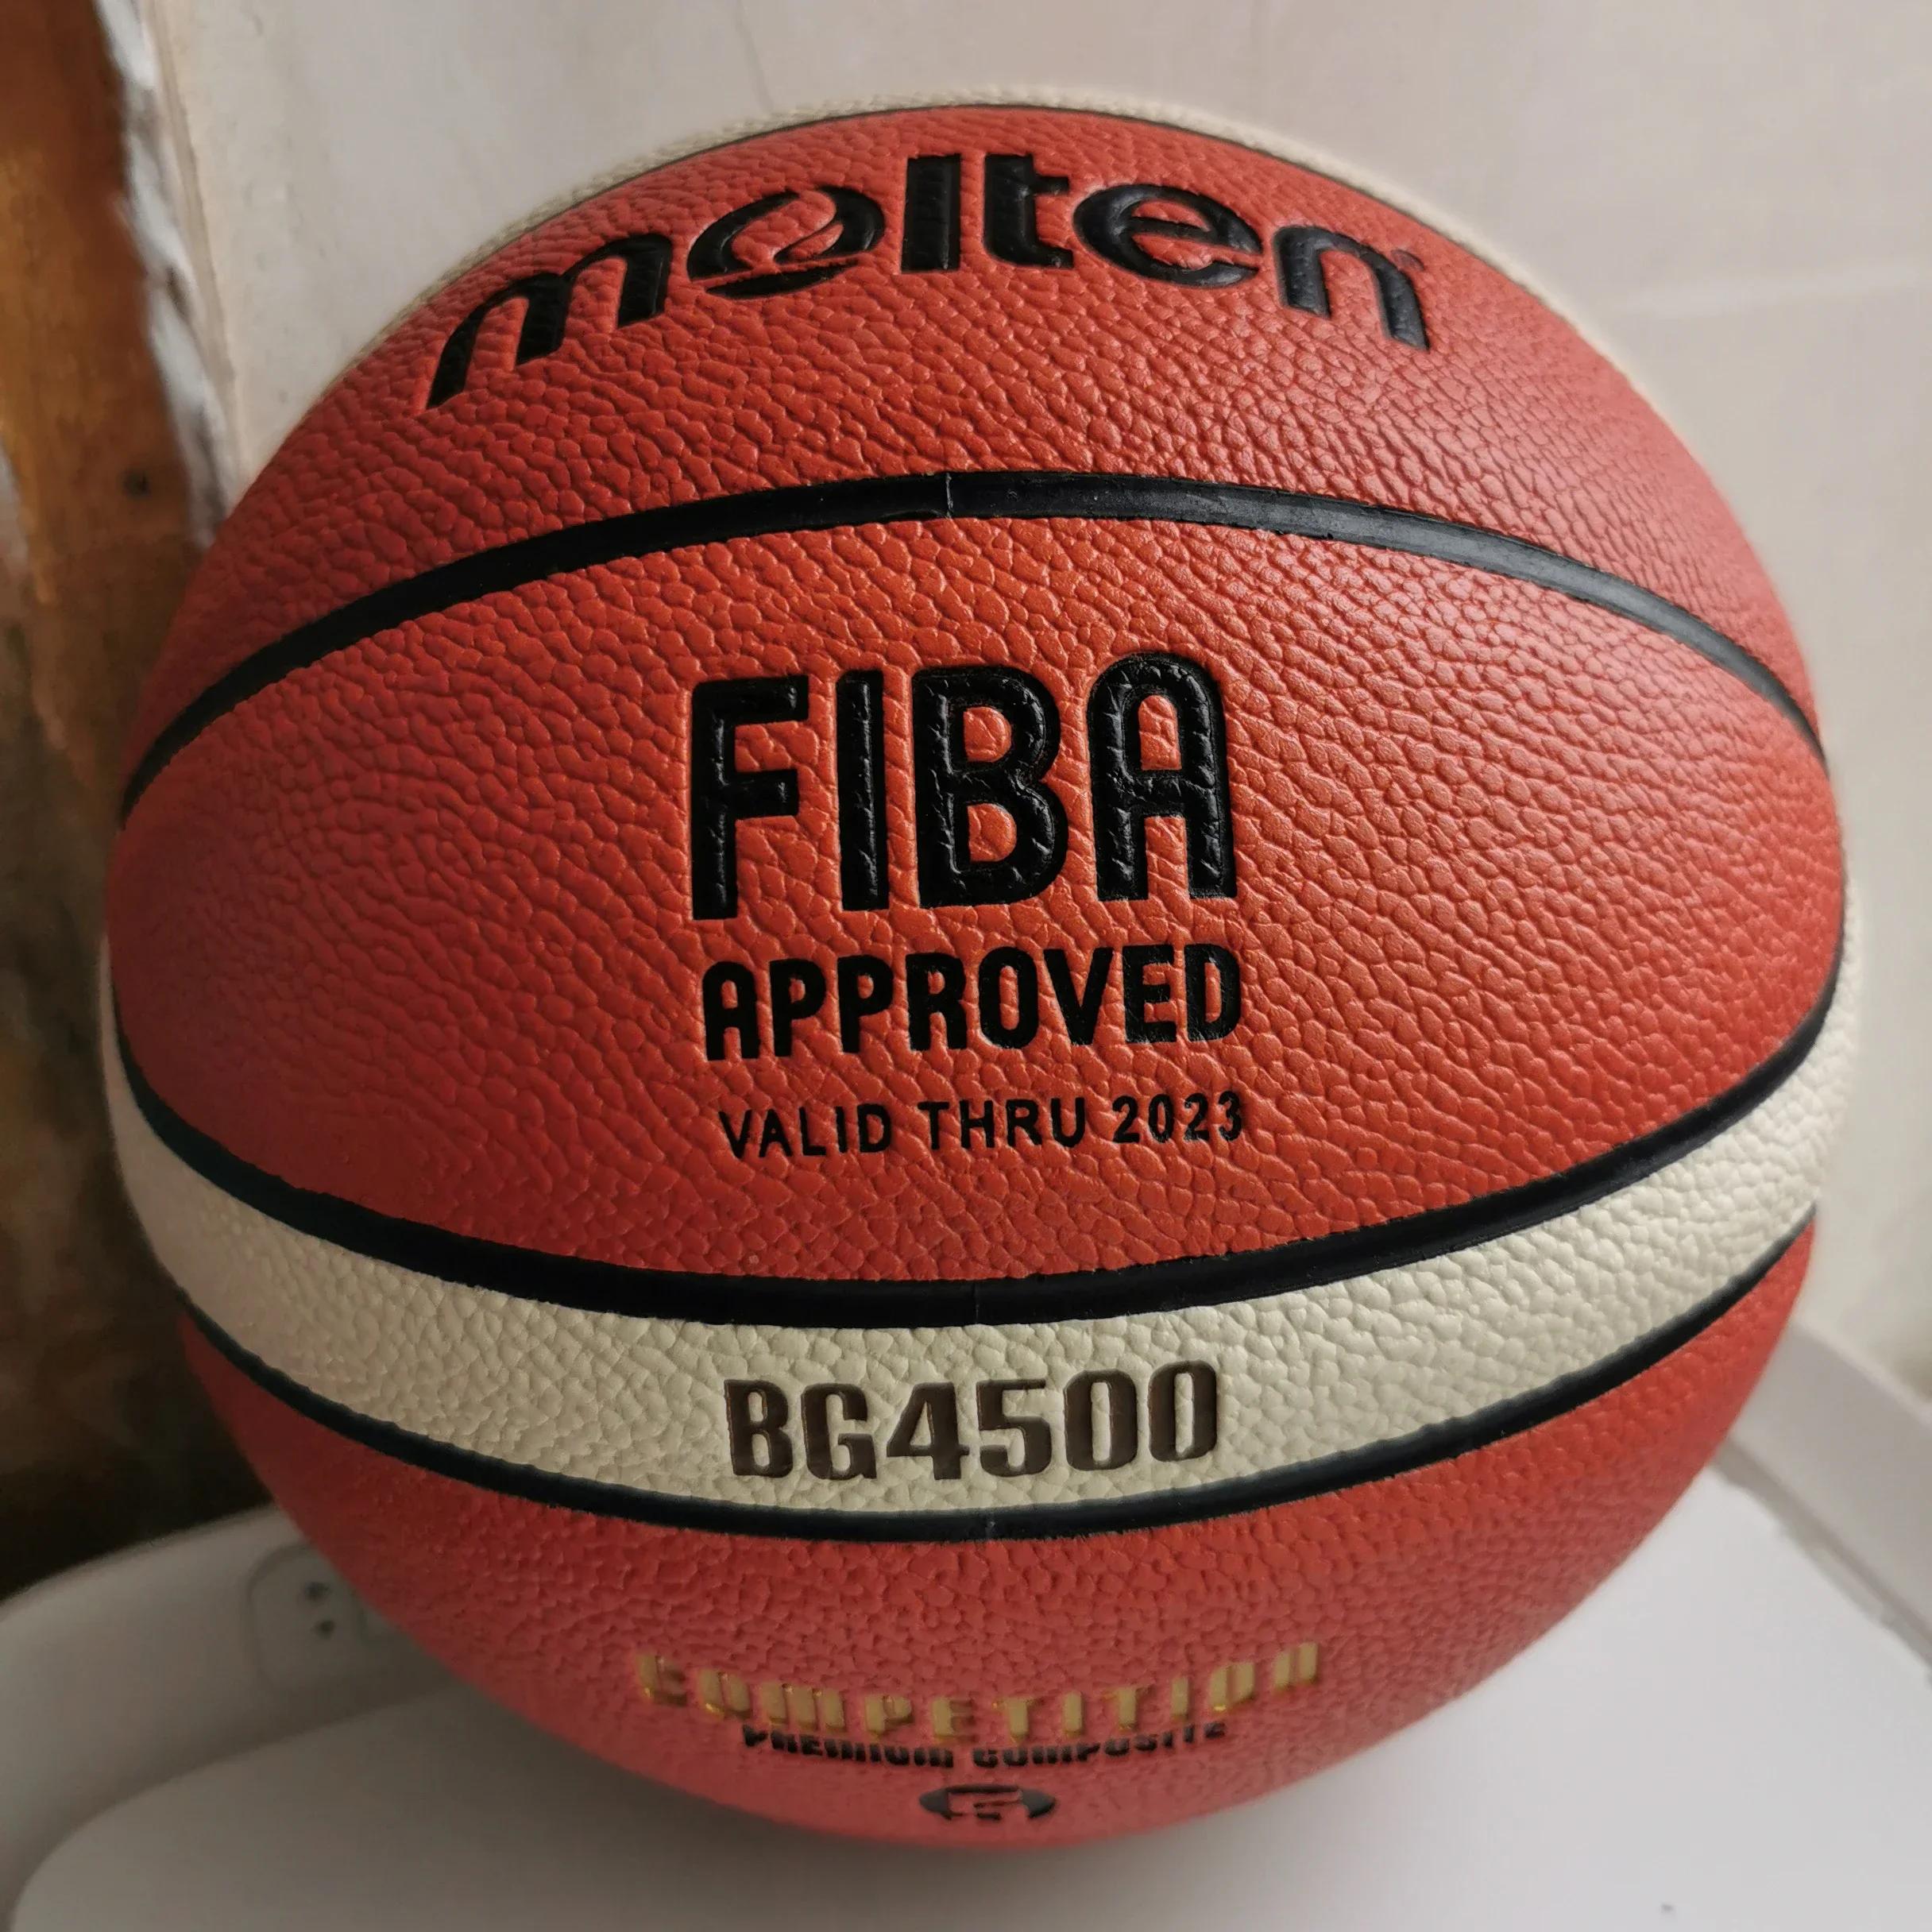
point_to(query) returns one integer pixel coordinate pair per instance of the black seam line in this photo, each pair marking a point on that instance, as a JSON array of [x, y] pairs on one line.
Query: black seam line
[[959, 495], [1439, 1442], [611, 1288]]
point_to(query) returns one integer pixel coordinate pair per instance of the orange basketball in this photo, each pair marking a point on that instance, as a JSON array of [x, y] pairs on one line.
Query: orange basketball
[[976, 967]]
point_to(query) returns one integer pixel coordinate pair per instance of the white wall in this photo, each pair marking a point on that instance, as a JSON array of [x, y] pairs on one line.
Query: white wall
[[1737, 194]]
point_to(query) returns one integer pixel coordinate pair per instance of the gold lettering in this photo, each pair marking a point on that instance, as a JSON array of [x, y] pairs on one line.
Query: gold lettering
[[724, 1694], [811, 1710], [887, 1712], [1019, 1716], [660, 1680], [1229, 1684], [1295, 1666], [953, 1717]]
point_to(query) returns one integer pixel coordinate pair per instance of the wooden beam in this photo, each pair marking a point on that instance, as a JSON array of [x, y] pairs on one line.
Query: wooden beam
[[101, 1436]]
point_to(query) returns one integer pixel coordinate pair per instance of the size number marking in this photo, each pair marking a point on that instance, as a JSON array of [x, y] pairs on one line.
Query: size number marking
[[1103, 1418]]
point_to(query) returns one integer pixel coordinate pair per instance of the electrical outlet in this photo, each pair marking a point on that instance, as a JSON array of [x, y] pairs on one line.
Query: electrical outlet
[[309, 1627]]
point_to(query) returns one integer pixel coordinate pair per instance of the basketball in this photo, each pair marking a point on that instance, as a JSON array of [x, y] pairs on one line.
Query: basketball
[[978, 968]]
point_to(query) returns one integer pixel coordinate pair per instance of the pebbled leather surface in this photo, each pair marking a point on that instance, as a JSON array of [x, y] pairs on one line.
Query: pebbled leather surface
[[1414, 1588], [1316, 1373], [1510, 420], [1518, 881]]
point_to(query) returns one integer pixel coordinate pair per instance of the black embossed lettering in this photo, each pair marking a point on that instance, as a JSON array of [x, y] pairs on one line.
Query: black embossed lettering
[[1013, 188], [1127, 793], [1301, 262], [947, 783], [1111, 222], [931, 239], [722, 794], [860, 726], [547, 298]]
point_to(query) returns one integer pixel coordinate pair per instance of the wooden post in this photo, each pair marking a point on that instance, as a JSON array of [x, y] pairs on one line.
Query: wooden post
[[101, 1436]]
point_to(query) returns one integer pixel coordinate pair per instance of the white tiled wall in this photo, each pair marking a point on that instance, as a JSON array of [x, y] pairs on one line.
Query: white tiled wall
[[1736, 194]]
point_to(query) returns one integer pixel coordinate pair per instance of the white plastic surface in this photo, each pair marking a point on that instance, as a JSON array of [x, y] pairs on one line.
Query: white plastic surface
[[1721, 1741], [123, 1673]]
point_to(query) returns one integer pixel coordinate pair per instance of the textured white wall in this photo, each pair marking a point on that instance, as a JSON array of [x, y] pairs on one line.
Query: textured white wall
[[1736, 194]]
